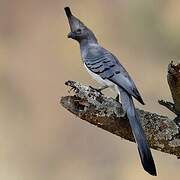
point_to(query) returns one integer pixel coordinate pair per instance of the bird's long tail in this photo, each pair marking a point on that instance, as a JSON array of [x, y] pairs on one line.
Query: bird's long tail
[[138, 132]]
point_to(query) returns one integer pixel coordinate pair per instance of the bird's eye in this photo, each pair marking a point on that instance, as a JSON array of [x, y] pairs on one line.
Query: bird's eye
[[78, 31]]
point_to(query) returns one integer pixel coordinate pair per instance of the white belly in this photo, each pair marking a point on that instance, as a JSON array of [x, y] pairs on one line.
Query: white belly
[[99, 79]]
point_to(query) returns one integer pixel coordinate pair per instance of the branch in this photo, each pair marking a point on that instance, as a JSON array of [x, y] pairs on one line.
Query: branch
[[173, 79], [162, 133], [168, 105]]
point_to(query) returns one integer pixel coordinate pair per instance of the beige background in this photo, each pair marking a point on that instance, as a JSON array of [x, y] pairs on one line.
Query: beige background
[[39, 140]]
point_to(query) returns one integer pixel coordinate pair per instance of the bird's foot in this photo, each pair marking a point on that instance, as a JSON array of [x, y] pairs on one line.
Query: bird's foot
[[99, 89], [95, 89], [117, 98], [123, 114]]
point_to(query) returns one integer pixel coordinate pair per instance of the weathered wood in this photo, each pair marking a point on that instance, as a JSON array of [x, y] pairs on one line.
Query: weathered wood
[[163, 134], [173, 78]]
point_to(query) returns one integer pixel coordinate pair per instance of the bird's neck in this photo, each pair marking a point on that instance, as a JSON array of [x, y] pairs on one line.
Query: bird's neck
[[85, 43], [88, 41], [87, 47]]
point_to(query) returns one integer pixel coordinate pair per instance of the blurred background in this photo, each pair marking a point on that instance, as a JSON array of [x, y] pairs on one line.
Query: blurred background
[[40, 140]]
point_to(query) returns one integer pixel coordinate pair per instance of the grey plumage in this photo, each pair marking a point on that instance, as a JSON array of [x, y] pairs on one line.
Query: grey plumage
[[134, 120], [106, 68]]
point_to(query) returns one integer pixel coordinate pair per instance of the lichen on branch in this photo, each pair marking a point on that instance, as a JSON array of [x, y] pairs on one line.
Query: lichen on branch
[[104, 112]]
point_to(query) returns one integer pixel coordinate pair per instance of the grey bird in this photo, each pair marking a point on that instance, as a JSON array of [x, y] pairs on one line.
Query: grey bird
[[107, 70]]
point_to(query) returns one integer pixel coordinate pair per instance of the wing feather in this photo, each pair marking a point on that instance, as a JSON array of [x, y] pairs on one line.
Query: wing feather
[[108, 67]]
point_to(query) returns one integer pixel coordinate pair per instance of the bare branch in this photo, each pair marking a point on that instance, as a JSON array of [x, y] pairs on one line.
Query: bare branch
[[173, 78], [92, 106], [168, 105]]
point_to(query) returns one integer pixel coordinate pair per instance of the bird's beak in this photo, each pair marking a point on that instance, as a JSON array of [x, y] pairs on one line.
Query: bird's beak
[[71, 35], [74, 22]]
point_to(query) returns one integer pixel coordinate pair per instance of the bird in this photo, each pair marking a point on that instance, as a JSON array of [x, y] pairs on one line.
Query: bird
[[106, 69]]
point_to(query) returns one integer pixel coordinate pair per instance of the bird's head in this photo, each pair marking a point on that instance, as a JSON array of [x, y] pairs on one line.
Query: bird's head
[[79, 31]]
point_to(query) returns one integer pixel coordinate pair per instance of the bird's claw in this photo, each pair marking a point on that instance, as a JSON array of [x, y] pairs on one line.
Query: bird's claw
[[117, 98], [72, 89], [123, 115], [96, 89]]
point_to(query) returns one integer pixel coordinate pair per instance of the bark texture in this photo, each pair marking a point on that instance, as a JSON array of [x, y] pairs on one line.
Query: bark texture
[[173, 78], [163, 134]]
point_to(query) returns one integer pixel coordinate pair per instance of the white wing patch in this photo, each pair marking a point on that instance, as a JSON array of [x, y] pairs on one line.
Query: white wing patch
[[99, 79]]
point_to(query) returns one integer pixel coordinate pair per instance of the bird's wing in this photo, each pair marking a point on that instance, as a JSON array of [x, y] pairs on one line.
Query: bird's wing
[[108, 67]]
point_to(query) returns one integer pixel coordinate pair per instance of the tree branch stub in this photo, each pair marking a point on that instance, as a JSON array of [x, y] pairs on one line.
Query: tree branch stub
[[173, 78]]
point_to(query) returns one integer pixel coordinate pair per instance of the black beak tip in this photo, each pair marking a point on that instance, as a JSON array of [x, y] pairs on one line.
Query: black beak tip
[[68, 11], [69, 35]]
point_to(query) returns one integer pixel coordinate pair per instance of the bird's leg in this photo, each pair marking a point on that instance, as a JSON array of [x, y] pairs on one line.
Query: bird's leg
[[122, 114], [99, 89], [103, 87], [117, 98]]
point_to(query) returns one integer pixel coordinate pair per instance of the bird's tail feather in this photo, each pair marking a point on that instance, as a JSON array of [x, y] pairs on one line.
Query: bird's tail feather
[[138, 132]]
